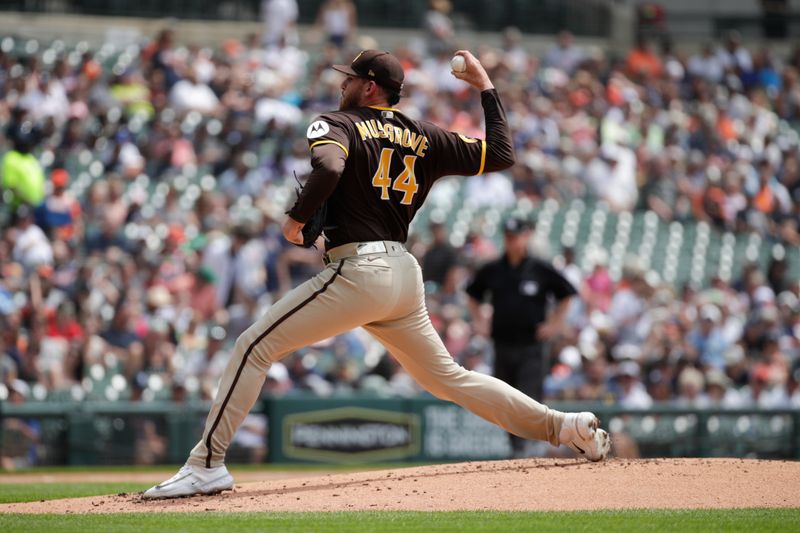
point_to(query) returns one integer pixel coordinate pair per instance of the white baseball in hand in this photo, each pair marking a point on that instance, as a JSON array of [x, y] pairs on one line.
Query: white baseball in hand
[[458, 64]]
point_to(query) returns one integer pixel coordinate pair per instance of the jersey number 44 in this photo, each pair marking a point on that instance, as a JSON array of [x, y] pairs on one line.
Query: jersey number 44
[[405, 182]]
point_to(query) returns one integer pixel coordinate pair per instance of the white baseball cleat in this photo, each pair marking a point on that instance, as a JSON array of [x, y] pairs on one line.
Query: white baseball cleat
[[582, 433], [191, 480]]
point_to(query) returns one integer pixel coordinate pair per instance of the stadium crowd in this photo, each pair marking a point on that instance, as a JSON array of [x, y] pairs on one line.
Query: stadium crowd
[[143, 187]]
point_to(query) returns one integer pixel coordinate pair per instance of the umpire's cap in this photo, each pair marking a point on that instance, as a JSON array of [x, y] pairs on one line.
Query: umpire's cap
[[517, 225], [381, 67]]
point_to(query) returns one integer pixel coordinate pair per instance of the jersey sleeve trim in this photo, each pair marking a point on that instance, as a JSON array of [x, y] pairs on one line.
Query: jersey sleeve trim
[[379, 108], [483, 158], [340, 145]]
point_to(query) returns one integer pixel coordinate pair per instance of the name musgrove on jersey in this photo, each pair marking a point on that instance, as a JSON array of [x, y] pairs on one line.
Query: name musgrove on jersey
[[374, 129]]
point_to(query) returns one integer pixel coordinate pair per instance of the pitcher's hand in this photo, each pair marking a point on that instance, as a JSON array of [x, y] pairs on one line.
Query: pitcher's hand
[[474, 73], [293, 231]]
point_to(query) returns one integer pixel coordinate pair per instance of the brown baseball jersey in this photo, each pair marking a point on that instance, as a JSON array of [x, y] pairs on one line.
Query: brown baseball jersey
[[391, 162]]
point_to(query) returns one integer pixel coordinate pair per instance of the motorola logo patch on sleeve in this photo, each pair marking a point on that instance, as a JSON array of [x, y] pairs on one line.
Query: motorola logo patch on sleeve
[[317, 129]]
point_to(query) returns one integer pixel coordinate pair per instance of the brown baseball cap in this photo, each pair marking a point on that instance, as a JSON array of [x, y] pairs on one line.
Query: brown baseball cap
[[377, 65]]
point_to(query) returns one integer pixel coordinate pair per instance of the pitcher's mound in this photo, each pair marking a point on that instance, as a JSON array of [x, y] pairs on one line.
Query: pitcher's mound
[[522, 485]]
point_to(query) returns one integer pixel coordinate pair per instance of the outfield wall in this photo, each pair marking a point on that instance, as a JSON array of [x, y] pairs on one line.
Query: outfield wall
[[363, 430]]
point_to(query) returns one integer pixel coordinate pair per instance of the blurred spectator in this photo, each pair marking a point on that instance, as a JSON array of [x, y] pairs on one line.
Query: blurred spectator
[[60, 213], [596, 382], [629, 302], [23, 177], [766, 389], [63, 323], [160, 55], [611, 175], [599, 287], [204, 293], [691, 384], [439, 28], [735, 57], [642, 61], [720, 392], [631, 393], [569, 268], [280, 22], [660, 193], [120, 332], [337, 19], [191, 94], [132, 92], [242, 179], [564, 55], [278, 382], [492, 189], [706, 337], [706, 64], [515, 57], [31, 246]]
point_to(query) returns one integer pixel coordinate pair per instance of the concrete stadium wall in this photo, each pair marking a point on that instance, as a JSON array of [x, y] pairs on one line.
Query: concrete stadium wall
[[96, 30]]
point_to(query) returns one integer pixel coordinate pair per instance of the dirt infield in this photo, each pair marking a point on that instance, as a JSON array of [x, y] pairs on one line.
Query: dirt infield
[[522, 485]]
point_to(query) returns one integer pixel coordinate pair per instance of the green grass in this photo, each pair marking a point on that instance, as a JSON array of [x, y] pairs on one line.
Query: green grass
[[31, 492], [746, 520]]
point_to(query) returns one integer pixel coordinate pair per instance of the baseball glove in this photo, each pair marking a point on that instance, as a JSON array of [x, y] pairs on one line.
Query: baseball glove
[[314, 225]]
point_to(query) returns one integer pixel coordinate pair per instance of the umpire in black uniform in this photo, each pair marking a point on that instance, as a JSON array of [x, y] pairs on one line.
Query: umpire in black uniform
[[521, 289]]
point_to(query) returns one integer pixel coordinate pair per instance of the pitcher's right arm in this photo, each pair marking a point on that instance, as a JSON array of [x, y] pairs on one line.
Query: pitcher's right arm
[[465, 156]]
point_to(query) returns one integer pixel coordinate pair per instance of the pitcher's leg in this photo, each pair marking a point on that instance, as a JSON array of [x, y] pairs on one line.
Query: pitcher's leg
[[413, 341], [322, 307]]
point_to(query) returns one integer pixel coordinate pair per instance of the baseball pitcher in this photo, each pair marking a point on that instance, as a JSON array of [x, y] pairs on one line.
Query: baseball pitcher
[[373, 167]]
